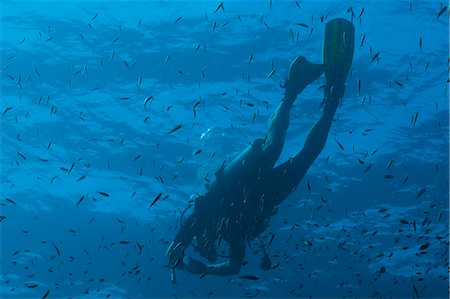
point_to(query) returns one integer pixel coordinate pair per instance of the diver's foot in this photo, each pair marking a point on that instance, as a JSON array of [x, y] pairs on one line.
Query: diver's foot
[[338, 50], [301, 73]]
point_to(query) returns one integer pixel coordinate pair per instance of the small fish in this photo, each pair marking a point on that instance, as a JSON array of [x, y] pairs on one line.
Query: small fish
[[443, 9], [197, 152], [135, 159], [177, 20], [71, 167], [420, 43], [45, 294], [340, 145], [415, 119], [388, 176], [159, 178], [359, 87], [271, 239], [57, 249], [439, 217], [175, 129], [80, 200], [196, 104], [6, 110], [361, 13], [368, 167], [398, 83], [81, 178], [31, 285], [389, 164], [271, 74], [266, 264], [302, 25], [173, 278], [150, 98], [156, 199], [424, 246], [93, 18], [309, 187], [375, 57], [11, 201], [103, 193], [250, 58], [421, 192], [249, 277], [415, 291], [219, 7], [116, 39], [21, 155]]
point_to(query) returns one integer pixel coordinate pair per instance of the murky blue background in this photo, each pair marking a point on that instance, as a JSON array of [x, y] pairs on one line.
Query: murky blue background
[[82, 157]]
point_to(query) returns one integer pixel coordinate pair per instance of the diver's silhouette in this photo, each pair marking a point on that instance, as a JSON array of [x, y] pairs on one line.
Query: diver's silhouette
[[239, 203]]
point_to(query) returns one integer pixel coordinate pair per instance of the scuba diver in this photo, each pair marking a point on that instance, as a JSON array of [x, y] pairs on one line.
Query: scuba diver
[[238, 204]]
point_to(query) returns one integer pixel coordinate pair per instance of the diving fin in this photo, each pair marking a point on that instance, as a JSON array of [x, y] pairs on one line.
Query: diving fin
[[338, 48]]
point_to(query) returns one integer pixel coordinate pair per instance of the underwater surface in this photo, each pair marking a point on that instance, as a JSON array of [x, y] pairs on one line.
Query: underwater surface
[[106, 105]]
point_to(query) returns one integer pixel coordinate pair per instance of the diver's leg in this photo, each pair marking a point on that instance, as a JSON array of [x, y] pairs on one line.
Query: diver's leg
[[317, 136], [338, 56], [276, 132], [301, 73], [262, 154], [289, 174]]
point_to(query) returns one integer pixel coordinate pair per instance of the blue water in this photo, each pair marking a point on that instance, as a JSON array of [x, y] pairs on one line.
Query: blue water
[[82, 157]]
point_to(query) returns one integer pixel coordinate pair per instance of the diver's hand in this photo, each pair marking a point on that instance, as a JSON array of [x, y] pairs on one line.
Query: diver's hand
[[196, 267], [175, 254]]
